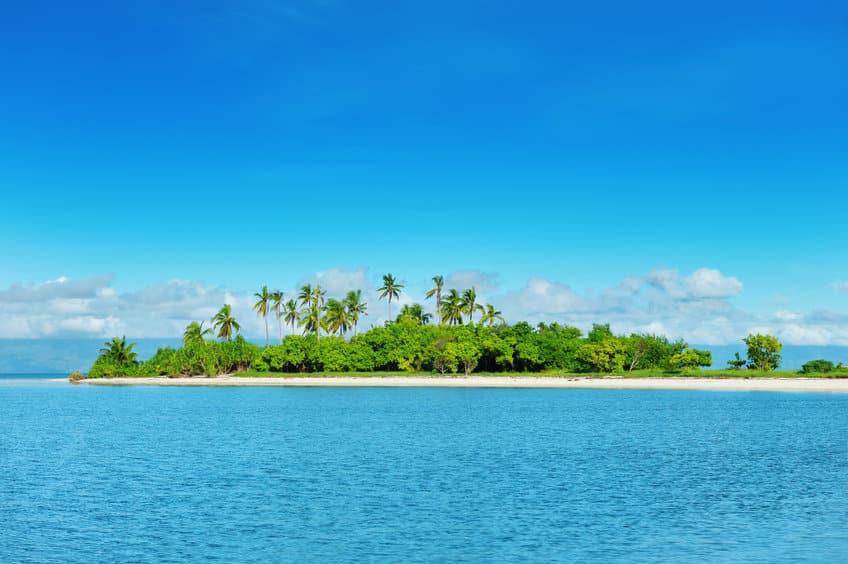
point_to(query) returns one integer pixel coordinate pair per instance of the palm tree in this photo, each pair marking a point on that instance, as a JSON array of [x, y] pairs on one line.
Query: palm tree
[[452, 308], [337, 317], [305, 295], [225, 323], [416, 313], [390, 289], [277, 308], [310, 320], [119, 351], [492, 315], [313, 300], [194, 334], [469, 303], [439, 282], [291, 313], [261, 308], [355, 307]]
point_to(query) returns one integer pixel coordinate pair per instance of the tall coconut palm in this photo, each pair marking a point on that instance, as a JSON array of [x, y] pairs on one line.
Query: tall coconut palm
[[469, 303], [277, 308], [355, 307], [439, 283], [310, 321], [491, 316], [452, 308], [225, 323], [390, 289], [291, 313], [119, 351], [194, 334], [313, 300], [337, 319], [304, 296], [261, 308]]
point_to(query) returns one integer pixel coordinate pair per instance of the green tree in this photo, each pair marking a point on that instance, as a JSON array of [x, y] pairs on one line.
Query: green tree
[[313, 300], [416, 313], [469, 303], [821, 366], [225, 323], [355, 307], [277, 308], [452, 308], [261, 308], [691, 359], [763, 352], [118, 351], [291, 313], [337, 317], [465, 350], [600, 333], [195, 333], [492, 316], [436, 290], [737, 363], [606, 356], [390, 289]]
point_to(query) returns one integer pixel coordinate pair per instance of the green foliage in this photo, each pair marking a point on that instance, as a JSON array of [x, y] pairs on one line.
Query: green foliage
[[416, 313], [691, 359], [650, 351], [409, 345], [119, 351], [818, 366], [225, 323], [390, 290], [737, 363], [763, 352], [599, 333], [601, 356]]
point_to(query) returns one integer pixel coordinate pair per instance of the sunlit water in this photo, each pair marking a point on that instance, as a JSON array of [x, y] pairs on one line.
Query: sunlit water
[[243, 474]]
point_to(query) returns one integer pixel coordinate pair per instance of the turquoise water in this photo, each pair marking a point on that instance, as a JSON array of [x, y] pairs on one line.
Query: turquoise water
[[245, 474]]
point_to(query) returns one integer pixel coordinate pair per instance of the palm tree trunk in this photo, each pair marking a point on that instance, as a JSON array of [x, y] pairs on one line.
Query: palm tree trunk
[[267, 335]]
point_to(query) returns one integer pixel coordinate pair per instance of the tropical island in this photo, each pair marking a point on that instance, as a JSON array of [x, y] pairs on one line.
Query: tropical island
[[467, 338]]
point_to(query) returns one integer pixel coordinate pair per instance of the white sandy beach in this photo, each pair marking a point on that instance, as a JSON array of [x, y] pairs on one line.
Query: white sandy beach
[[609, 383]]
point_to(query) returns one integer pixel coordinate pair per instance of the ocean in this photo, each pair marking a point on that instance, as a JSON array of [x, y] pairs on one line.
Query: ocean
[[90, 473]]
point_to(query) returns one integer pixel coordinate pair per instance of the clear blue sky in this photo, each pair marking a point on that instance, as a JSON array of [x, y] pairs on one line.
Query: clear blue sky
[[238, 143]]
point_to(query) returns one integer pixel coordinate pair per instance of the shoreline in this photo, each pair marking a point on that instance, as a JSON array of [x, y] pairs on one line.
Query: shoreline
[[820, 385]]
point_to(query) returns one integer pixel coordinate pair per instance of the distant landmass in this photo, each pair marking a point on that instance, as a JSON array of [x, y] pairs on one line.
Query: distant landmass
[[62, 356]]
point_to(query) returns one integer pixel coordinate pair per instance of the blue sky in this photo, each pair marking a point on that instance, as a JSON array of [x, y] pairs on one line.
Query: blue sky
[[230, 144]]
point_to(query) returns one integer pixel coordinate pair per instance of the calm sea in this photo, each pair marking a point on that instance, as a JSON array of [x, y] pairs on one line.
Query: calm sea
[[271, 474]]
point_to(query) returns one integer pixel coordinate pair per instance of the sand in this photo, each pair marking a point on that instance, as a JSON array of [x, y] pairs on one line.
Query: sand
[[608, 383]]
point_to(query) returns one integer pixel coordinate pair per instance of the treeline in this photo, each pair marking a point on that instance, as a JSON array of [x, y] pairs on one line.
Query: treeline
[[408, 344], [459, 343]]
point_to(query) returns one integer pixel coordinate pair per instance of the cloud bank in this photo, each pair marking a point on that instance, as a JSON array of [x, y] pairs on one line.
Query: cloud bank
[[697, 307]]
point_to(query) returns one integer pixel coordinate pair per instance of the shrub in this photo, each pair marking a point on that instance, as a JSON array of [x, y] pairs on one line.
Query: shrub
[[821, 366]]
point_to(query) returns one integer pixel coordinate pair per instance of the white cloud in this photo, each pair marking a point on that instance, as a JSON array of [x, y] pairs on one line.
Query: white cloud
[[787, 315], [703, 283], [483, 282], [696, 307]]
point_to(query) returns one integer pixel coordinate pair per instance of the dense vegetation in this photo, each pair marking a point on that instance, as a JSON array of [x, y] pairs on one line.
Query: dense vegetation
[[408, 345], [457, 344]]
